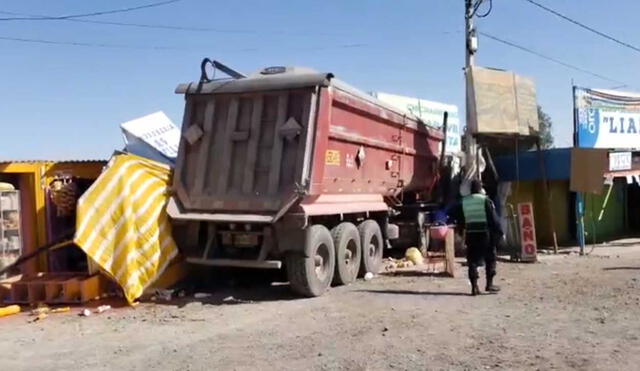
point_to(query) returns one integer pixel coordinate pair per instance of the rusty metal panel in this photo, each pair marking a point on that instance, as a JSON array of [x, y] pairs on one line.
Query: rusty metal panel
[[243, 152]]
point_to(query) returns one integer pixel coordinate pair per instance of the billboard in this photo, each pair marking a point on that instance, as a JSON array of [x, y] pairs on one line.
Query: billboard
[[501, 102], [431, 113], [606, 119]]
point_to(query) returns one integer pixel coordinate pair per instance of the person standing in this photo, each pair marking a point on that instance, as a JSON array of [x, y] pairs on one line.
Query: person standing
[[476, 215]]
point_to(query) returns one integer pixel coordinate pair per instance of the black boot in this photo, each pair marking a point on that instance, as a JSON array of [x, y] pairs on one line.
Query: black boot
[[490, 286], [475, 290]]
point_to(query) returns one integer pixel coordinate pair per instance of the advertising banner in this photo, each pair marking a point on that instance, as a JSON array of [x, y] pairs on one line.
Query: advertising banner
[[431, 113], [607, 119]]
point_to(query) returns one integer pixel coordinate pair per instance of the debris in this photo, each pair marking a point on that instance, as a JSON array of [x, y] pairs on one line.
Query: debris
[[46, 310], [85, 312], [165, 295], [201, 295], [231, 299], [103, 308], [61, 310], [368, 276], [40, 310], [414, 255], [11, 309], [40, 317]]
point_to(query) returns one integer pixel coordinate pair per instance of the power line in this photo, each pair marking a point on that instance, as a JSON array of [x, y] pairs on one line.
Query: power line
[[161, 47], [128, 24], [477, 6], [172, 27], [582, 25], [92, 14], [136, 25], [551, 59], [95, 45]]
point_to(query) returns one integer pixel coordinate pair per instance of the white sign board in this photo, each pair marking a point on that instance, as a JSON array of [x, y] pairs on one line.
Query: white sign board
[[431, 113], [529, 250], [619, 161], [155, 130]]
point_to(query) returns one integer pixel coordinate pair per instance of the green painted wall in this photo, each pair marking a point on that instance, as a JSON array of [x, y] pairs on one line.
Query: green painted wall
[[612, 224], [559, 202]]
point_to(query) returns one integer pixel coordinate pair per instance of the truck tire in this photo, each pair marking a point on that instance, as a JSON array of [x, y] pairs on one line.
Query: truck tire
[[346, 240], [372, 246], [311, 276]]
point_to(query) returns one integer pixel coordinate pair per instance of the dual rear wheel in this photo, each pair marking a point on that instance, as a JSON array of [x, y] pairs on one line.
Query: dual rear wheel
[[337, 256]]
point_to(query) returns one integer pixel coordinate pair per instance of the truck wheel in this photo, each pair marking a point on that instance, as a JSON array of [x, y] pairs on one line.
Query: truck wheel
[[371, 241], [311, 276], [346, 240]]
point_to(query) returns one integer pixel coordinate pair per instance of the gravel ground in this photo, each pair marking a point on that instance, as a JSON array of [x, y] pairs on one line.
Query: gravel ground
[[566, 312]]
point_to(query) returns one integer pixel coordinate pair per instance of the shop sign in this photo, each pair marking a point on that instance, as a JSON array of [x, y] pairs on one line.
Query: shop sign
[[619, 161], [607, 119], [529, 246]]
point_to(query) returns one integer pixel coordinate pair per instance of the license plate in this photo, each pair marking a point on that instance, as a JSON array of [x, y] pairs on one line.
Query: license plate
[[245, 239]]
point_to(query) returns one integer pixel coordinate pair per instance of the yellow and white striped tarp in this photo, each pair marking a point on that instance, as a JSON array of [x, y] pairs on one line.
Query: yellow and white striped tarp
[[122, 222]]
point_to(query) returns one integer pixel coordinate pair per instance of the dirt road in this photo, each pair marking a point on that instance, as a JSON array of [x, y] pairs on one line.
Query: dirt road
[[567, 312]]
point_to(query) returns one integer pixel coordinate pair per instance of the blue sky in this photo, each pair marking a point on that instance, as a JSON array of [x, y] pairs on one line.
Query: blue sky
[[66, 102]]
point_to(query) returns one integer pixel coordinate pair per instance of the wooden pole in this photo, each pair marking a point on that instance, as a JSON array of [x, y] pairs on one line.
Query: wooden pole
[[545, 190]]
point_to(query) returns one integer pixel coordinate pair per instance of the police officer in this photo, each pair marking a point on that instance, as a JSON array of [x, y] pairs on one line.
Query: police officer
[[477, 216]]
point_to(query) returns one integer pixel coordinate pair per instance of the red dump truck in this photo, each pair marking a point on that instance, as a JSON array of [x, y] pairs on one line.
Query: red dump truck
[[293, 168]]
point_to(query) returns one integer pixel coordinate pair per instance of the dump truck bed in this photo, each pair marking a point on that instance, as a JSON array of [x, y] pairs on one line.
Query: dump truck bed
[[270, 142]]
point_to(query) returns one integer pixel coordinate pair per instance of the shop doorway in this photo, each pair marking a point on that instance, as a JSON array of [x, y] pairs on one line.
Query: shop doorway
[[633, 208]]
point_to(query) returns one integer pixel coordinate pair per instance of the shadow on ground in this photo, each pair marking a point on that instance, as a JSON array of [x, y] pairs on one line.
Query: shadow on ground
[[621, 268], [227, 287], [231, 296], [412, 292], [414, 273]]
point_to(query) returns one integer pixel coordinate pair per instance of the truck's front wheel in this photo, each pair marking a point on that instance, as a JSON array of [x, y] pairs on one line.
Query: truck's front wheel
[[311, 276]]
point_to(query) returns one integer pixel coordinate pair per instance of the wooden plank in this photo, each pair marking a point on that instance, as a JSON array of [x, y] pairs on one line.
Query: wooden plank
[[90, 288], [205, 144], [449, 253], [225, 160], [276, 150], [254, 140], [71, 291]]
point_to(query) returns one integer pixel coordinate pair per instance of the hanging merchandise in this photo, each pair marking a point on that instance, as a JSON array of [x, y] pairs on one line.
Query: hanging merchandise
[[64, 194]]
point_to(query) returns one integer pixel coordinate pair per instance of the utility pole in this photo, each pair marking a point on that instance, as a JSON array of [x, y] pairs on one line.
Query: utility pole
[[469, 33], [470, 50]]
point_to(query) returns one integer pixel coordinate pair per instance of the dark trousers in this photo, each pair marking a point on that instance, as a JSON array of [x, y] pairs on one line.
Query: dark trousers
[[480, 247]]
